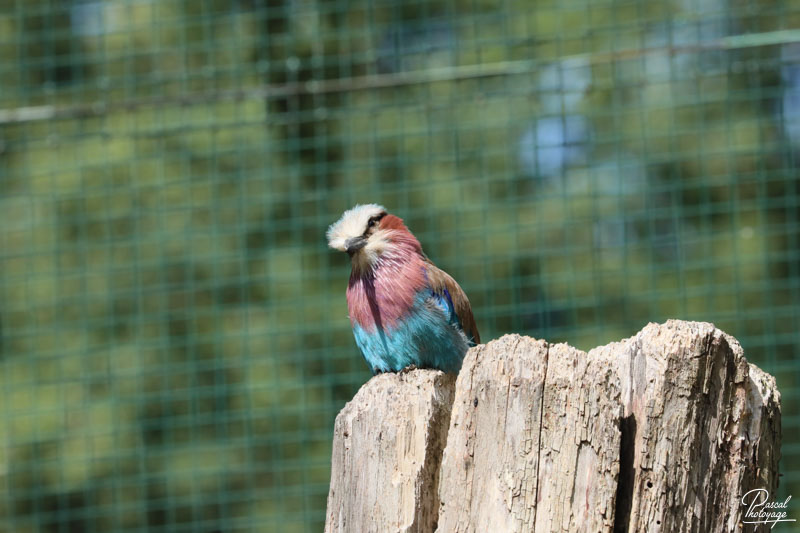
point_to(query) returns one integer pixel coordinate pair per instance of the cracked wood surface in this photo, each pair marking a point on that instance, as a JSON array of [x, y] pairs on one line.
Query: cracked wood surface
[[705, 430], [386, 454], [664, 431], [533, 440]]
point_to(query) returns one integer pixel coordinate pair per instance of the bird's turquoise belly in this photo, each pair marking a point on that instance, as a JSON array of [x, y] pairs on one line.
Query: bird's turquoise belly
[[424, 337]]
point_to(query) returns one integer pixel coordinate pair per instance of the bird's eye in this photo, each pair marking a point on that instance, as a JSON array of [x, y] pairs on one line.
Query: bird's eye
[[372, 222]]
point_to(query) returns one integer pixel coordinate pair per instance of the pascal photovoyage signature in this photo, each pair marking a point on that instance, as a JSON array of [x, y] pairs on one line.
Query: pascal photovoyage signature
[[759, 510]]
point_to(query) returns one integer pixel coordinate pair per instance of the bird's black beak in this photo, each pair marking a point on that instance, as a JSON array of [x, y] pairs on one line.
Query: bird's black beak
[[355, 244]]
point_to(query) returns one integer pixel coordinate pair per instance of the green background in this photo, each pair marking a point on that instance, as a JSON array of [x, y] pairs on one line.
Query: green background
[[174, 340]]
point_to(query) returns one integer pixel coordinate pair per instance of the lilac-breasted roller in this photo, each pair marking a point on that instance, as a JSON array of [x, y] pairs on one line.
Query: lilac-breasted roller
[[403, 309]]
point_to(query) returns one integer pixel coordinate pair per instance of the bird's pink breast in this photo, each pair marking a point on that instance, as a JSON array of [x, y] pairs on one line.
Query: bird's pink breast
[[385, 294]]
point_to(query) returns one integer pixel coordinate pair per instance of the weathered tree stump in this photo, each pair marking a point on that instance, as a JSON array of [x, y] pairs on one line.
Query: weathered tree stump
[[665, 431], [387, 453], [701, 428], [533, 440]]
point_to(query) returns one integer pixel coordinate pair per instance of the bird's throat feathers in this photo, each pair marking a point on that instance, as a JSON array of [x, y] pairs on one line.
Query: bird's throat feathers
[[381, 292], [390, 243]]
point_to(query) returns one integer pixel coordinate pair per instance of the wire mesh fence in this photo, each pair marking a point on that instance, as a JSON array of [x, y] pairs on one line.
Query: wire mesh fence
[[174, 338]]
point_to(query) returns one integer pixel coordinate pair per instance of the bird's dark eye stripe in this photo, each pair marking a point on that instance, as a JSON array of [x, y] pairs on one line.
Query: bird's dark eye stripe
[[374, 220]]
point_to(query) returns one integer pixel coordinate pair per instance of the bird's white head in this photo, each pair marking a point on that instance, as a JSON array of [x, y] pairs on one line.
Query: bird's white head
[[367, 232]]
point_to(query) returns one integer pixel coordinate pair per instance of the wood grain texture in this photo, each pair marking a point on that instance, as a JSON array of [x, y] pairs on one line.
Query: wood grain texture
[[664, 431], [704, 425], [386, 454], [492, 457], [533, 441]]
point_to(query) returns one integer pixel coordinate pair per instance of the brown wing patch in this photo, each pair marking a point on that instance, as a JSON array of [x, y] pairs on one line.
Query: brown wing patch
[[439, 280]]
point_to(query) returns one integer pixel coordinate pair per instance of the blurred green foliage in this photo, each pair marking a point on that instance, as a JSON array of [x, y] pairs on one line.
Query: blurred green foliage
[[175, 343]]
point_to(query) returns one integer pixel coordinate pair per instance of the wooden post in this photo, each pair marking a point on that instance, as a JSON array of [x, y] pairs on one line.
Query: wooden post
[[533, 440], [387, 451], [701, 428], [665, 431]]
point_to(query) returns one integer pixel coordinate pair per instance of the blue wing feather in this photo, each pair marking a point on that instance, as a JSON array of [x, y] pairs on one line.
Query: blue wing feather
[[443, 300], [425, 338], [452, 300], [436, 333]]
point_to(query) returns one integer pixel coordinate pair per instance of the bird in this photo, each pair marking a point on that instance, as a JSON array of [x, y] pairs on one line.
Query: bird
[[405, 312]]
